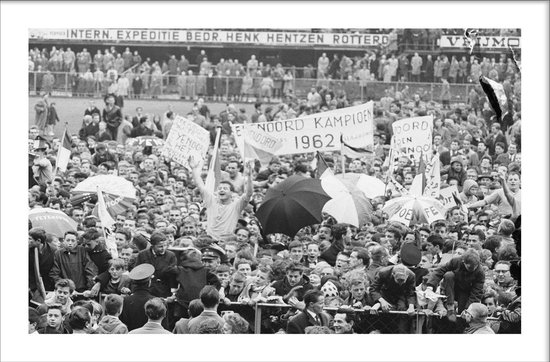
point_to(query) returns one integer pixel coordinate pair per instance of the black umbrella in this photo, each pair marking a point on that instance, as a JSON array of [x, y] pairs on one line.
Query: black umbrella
[[291, 205]]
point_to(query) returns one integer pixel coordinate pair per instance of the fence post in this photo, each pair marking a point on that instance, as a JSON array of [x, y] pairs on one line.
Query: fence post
[[67, 82], [227, 88], [257, 319], [431, 91]]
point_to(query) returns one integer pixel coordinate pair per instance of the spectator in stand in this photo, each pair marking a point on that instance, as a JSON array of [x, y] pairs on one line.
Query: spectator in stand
[[322, 65], [416, 67]]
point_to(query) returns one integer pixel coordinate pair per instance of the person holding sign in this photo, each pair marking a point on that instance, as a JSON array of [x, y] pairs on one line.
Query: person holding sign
[[221, 210]]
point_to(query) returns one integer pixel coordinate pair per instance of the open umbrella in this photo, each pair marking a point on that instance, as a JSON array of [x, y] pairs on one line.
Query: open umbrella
[[52, 221], [370, 185], [145, 141], [412, 209], [291, 205], [119, 193], [349, 204]]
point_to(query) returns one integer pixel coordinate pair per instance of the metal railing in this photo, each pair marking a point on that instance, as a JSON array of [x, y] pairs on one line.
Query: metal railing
[[231, 88]]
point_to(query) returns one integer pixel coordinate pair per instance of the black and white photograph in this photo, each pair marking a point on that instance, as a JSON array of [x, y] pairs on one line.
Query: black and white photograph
[[357, 178]]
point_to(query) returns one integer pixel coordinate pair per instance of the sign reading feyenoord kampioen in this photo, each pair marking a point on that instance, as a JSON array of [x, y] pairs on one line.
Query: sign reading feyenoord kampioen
[[268, 38], [317, 132]]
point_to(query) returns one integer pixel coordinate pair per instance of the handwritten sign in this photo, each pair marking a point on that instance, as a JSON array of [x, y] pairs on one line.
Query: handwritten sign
[[186, 138], [446, 196], [413, 136]]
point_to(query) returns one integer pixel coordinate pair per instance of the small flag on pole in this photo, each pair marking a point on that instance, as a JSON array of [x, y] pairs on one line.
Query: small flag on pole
[[214, 171], [322, 165], [64, 152]]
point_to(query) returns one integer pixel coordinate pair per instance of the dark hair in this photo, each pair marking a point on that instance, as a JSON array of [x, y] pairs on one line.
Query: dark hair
[[112, 304], [126, 232], [294, 267], [157, 237], [231, 187], [312, 296], [210, 297], [65, 283], [492, 243], [362, 254], [79, 317], [338, 230], [195, 308], [38, 234], [155, 309], [91, 234]]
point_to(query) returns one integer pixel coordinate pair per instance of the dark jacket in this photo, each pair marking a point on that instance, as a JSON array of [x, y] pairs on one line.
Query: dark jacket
[[133, 311], [162, 279], [101, 258], [46, 259], [75, 265], [282, 287], [331, 253], [384, 286], [511, 318], [302, 320], [192, 276], [471, 282]]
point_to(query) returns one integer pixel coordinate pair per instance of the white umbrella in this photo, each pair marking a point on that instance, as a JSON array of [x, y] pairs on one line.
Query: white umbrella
[[114, 185], [410, 209], [52, 221]]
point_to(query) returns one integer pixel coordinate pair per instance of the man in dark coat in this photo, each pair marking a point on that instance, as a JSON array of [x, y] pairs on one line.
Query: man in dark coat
[[394, 289], [337, 232], [312, 315], [161, 259], [133, 310], [464, 279], [96, 252], [46, 251], [294, 284], [112, 115], [191, 276]]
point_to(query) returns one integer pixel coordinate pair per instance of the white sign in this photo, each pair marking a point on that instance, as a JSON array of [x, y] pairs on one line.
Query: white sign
[[186, 138], [490, 42], [446, 196], [260, 145], [413, 136], [270, 38], [317, 132]]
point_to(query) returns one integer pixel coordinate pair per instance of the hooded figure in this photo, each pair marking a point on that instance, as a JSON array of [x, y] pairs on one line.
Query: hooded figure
[[467, 196], [111, 325]]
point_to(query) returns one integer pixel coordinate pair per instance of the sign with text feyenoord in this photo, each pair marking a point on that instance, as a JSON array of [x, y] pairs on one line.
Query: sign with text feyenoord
[[317, 132], [413, 136]]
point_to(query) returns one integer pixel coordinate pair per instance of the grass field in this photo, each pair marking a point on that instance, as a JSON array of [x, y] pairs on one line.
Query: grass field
[[71, 110]]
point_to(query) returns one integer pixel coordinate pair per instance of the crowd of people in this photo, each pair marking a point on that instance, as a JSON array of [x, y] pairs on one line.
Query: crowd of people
[[129, 75], [192, 261]]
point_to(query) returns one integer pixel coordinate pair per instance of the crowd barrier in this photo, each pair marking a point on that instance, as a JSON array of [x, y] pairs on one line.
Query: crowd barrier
[[163, 86], [268, 318]]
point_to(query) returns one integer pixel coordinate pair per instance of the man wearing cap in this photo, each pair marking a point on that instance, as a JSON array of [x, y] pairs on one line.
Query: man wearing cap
[[133, 312], [212, 257], [222, 211], [161, 259], [476, 317]]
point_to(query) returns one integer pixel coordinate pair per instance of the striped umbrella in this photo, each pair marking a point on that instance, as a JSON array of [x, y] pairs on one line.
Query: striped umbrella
[[52, 221], [413, 209], [349, 204]]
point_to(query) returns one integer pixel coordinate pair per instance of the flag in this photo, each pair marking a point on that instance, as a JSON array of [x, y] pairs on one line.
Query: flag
[[496, 96], [321, 165], [64, 152], [433, 178], [463, 208], [260, 145], [353, 152], [107, 224], [214, 171], [419, 182]]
